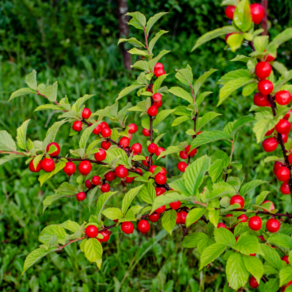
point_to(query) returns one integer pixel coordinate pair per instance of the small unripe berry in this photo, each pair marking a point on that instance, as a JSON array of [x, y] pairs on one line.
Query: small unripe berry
[[273, 225], [146, 132], [255, 223], [110, 176], [260, 100], [270, 144], [106, 132], [48, 164], [86, 113], [253, 282], [127, 227], [77, 126], [143, 226], [283, 126], [237, 199], [152, 148], [152, 111], [121, 171], [88, 184], [105, 188], [84, 167], [283, 97], [105, 145], [137, 148], [154, 217], [81, 196], [157, 97], [133, 128], [106, 235], [69, 168], [175, 205], [33, 169], [91, 231], [257, 13], [265, 87], [96, 180], [55, 153], [229, 11], [100, 155], [263, 70], [160, 179], [283, 173], [124, 142], [182, 166]]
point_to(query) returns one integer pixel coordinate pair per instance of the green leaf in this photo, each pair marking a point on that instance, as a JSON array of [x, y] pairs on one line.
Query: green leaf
[[247, 244], [52, 132], [241, 58], [52, 230], [132, 41], [102, 201], [48, 107], [185, 75], [211, 253], [172, 149], [21, 92], [180, 120], [158, 82], [280, 239], [237, 275], [153, 62], [70, 225], [261, 197], [242, 16], [208, 137], [179, 185], [147, 193], [113, 213], [162, 115], [233, 75], [214, 34], [206, 119], [6, 142], [138, 20], [234, 41], [169, 220], [224, 236], [194, 174], [192, 240], [152, 21], [218, 166], [58, 167], [36, 255], [285, 275], [9, 158], [115, 153], [194, 215], [260, 43], [229, 2], [272, 285], [92, 250], [178, 91], [155, 39], [136, 51], [271, 256], [86, 134], [250, 186], [128, 90], [50, 91], [128, 198], [280, 68], [31, 80], [254, 266], [238, 124], [199, 82], [282, 37], [261, 127]]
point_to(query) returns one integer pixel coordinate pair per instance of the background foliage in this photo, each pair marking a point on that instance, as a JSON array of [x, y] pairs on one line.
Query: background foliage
[[76, 42]]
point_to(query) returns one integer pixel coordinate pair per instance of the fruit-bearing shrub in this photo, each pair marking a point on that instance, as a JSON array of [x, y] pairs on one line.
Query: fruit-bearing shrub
[[208, 203]]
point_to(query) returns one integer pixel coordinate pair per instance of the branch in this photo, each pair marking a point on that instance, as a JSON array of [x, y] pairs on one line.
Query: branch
[[71, 241]]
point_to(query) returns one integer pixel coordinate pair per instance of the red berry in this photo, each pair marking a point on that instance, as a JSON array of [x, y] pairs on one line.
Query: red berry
[[33, 169], [129, 180], [143, 226], [84, 167], [97, 130], [270, 132], [270, 58], [105, 145], [157, 97], [237, 199], [160, 210], [229, 11], [137, 148], [104, 125], [158, 104], [124, 142], [95, 180], [285, 188], [81, 196], [121, 171], [182, 166], [69, 168], [183, 217], [255, 223], [160, 191], [183, 155], [222, 225], [260, 100], [127, 227], [272, 207], [160, 179], [253, 282], [158, 72], [154, 217], [270, 144], [110, 176], [146, 162], [106, 132], [106, 235], [257, 13], [105, 188], [283, 97], [152, 111], [192, 153], [55, 153], [86, 113], [263, 70], [48, 164], [242, 218], [278, 165], [91, 231], [158, 66], [133, 128], [152, 148], [273, 225], [261, 238], [285, 259], [88, 184], [100, 155], [77, 126], [285, 138], [283, 173], [159, 150], [283, 127], [175, 205], [177, 218], [283, 289], [146, 132], [265, 87], [228, 215]]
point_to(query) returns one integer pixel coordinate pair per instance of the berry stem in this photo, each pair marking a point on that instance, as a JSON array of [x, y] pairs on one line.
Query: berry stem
[[71, 241]]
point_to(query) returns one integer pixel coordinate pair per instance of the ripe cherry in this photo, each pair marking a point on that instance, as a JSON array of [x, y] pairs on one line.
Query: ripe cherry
[[228, 215], [110, 176], [152, 148], [182, 166], [106, 235], [97, 130], [160, 179], [96, 180], [157, 97], [177, 218], [91, 231], [242, 218], [253, 282], [265, 87], [158, 66], [56, 152], [124, 142], [152, 111], [285, 259], [175, 205], [263, 70], [273, 225], [48, 164], [143, 226], [69, 168], [154, 217], [237, 199], [285, 188], [153, 167], [133, 128], [77, 126], [105, 187], [159, 151], [146, 132], [128, 180], [270, 144], [105, 145], [255, 223], [86, 113], [137, 148], [283, 289], [270, 132], [127, 227], [158, 72], [88, 184], [277, 165], [283, 97], [257, 13], [84, 167], [121, 171], [260, 100], [183, 154], [81, 196], [284, 137], [158, 104], [100, 155], [104, 125], [106, 132], [221, 225], [229, 11], [183, 217], [160, 210], [283, 126], [271, 208], [159, 191], [192, 153], [283, 173], [33, 169]]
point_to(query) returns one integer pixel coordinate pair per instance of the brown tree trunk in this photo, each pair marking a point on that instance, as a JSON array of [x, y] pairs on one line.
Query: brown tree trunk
[[124, 31], [265, 19]]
